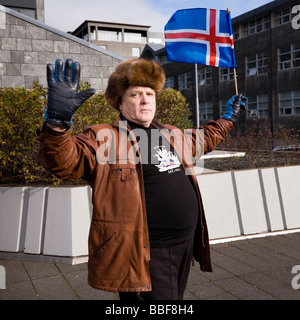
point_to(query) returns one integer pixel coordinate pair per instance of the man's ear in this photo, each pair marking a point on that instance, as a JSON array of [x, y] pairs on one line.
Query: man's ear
[[120, 103]]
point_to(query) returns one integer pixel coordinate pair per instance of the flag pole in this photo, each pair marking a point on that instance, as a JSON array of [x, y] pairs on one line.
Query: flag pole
[[197, 97], [235, 82], [234, 74]]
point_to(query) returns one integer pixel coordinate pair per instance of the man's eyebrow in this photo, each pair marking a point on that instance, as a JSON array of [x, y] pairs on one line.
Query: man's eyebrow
[[136, 91]]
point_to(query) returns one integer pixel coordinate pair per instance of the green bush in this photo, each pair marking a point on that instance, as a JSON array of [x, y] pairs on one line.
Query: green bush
[[21, 113], [173, 109]]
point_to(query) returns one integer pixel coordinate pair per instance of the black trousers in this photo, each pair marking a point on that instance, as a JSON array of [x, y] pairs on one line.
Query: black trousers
[[169, 271]]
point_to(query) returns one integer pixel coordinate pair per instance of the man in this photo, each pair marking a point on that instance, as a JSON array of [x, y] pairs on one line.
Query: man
[[148, 219]]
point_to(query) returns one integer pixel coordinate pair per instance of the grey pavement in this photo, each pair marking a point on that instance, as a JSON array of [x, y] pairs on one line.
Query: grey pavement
[[250, 269]]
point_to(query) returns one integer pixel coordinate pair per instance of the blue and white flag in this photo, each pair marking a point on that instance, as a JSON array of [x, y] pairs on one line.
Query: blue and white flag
[[201, 36]]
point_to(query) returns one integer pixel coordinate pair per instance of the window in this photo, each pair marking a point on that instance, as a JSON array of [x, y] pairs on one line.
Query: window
[[255, 26], [134, 37], [155, 40], [206, 110], [256, 63], [251, 27], [86, 36], [93, 33], [223, 104], [185, 80], [27, 12], [289, 56], [204, 76], [105, 34], [226, 74], [289, 103], [236, 33], [169, 83], [136, 52], [283, 16], [245, 30], [163, 59], [258, 106]]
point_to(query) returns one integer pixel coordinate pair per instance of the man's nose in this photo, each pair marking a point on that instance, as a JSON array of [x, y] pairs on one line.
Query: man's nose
[[144, 98]]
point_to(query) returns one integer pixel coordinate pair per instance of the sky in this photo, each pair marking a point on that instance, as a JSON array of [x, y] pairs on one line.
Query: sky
[[67, 15]]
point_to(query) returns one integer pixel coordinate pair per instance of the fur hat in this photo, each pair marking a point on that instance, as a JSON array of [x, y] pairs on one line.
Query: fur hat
[[135, 72]]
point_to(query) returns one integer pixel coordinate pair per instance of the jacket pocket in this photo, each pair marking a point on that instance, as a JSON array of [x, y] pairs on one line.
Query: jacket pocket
[[109, 253], [101, 250], [123, 173]]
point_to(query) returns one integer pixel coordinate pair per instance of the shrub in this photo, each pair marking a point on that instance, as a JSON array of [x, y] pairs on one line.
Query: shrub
[[172, 109], [21, 113]]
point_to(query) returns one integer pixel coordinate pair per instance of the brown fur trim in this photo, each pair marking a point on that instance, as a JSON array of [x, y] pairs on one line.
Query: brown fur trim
[[134, 72]]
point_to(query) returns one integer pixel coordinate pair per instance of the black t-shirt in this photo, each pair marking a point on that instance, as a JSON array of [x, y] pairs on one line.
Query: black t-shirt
[[171, 200]]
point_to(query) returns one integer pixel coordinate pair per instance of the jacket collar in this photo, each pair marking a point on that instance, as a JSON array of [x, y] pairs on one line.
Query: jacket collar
[[156, 124]]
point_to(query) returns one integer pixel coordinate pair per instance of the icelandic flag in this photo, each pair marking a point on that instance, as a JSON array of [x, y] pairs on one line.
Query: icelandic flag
[[201, 36]]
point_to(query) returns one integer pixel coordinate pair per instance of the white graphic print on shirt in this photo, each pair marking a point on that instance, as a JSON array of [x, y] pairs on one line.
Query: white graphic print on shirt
[[167, 159]]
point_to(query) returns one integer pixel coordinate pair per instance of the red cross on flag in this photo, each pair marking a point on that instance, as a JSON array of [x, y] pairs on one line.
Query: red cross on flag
[[200, 36]]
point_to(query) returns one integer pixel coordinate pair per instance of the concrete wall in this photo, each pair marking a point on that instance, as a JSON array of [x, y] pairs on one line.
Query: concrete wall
[[55, 221], [27, 45]]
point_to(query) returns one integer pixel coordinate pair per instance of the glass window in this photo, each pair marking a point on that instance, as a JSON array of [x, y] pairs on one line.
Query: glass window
[[257, 63], [267, 22], [283, 16], [206, 110], [204, 76], [27, 12], [185, 80], [223, 104], [259, 26], [226, 74], [236, 33], [136, 52], [289, 103], [289, 56], [254, 26], [245, 30], [93, 33], [109, 35], [134, 37], [258, 106], [169, 83]]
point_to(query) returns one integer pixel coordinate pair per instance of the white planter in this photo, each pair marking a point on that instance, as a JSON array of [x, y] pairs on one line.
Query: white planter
[[54, 221], [50, 220]]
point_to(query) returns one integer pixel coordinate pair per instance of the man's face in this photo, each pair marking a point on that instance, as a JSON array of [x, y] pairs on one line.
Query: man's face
[[139, 105]]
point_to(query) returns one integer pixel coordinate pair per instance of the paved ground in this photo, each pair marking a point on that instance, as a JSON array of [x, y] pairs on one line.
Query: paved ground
[[251, 269]]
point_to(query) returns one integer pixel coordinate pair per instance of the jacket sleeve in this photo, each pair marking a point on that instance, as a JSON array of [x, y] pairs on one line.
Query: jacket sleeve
[[65, 156], [214, 133]]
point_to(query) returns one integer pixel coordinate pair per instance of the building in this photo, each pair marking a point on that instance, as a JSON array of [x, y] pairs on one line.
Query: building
[[127, 40], [267, 50], [27, 45], [31, 8]]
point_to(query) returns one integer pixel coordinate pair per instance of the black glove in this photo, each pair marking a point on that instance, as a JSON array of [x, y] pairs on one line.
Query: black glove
[[63, 96], [233, 106]]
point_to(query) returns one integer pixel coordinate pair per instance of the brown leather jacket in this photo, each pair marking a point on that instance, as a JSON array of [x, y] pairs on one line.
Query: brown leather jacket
[[118, 242]]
